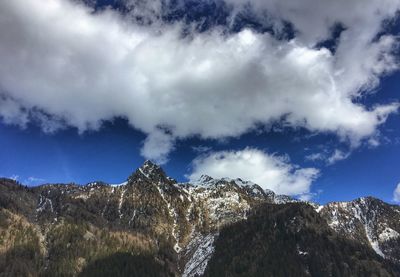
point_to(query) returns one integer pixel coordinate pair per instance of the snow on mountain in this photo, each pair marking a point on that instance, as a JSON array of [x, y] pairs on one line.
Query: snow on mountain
[[368, 220], [189, 216], [200, 250]]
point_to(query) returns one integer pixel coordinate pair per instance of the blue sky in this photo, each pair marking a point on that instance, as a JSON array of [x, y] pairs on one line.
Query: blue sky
[[286, 102]]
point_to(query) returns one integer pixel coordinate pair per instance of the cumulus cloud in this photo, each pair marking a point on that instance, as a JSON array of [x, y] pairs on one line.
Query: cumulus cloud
[[396, 194], [157, 146], [313, 20], [63, 65], [269, 171]]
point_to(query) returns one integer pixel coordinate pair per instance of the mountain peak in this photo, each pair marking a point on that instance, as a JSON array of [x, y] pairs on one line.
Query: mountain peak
[[149, 168], [149, 164], [205, 178], [151, 171]]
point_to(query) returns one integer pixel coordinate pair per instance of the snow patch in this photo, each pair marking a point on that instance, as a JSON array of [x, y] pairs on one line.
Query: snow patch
[[319, 209], [369, 230], [388, 234], [132, 218], [43, 203], [300, 252], [204, 249], [121, 201], [145, 175], [119, 185]]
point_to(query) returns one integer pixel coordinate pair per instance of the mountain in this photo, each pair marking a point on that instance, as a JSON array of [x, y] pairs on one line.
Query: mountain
[[291, 240], [369, 221], [152, 225]]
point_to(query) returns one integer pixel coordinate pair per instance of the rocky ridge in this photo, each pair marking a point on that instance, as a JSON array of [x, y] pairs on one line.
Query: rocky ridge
[[178, 223]]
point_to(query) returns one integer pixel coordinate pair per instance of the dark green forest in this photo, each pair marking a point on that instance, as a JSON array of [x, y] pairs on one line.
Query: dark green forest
[[291, 240]]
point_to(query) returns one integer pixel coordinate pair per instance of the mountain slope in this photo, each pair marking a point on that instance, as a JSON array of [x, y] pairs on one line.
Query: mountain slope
[[291, 240], [178, 228], [368, 220]]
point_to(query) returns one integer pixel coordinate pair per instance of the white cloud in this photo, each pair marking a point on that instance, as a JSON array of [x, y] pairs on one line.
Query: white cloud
[[314, 19], [157, 146], [269, 171], [30, 180], [33, 180], [63, 65], [329, 156], [307, 196], [315, 157], [201, 148], [337, 155], [14, 177], [396, 194]]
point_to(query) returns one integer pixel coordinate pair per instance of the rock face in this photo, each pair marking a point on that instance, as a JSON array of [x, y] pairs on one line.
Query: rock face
[[368, 220], [291, 240], [172, 228]]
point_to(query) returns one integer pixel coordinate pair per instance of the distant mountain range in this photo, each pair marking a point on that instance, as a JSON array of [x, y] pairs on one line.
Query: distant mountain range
[[151, 225]]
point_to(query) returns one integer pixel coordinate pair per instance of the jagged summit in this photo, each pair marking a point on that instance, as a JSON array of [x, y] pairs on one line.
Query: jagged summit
[[186, 220], [150, 168], [152, 172], [204, 180]]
